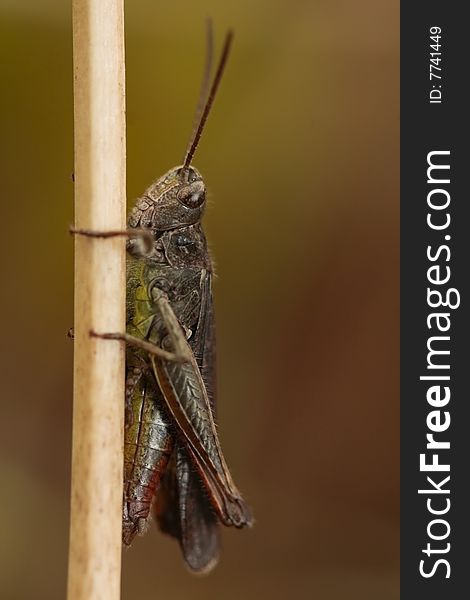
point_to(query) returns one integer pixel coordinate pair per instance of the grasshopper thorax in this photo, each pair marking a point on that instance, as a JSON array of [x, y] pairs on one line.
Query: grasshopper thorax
[[174, 200]]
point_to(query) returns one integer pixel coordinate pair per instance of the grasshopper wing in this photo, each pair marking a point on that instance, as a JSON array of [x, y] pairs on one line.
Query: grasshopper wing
[[186, 396], [182, 508], [183, 511]]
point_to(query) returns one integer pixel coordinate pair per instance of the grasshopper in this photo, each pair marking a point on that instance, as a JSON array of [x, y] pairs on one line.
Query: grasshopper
[[173, 462]]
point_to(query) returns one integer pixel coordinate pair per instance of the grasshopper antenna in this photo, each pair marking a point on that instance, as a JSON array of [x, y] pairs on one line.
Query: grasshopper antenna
[[210, 99], [206, 78]]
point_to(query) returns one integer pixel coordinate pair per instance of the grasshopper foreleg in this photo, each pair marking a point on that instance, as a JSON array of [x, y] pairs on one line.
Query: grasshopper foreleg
[[133, 235]]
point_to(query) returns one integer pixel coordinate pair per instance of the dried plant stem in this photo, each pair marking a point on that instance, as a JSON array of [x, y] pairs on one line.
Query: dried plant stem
[[97, 454]]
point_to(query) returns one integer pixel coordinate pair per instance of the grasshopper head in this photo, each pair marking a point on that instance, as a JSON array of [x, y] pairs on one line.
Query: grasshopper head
[[174, 200]]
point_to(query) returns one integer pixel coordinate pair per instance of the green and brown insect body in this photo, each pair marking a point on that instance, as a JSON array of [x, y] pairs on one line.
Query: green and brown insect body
[[150, 432], [171, 433]]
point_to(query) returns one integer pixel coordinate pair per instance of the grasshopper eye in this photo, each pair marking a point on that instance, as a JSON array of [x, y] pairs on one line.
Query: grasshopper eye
[[192, 195]]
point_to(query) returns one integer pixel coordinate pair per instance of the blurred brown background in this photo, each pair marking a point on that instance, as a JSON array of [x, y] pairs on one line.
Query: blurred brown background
[[301, 159]]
